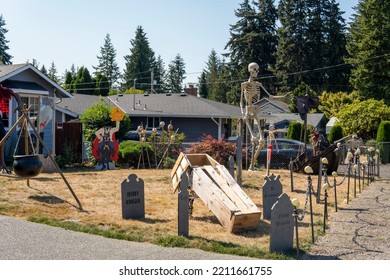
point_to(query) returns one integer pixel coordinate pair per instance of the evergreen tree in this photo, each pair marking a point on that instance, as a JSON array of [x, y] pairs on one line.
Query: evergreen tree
[[175, 76], [212, 71], [69, 81], [241, 45], [101, 84], [266, 39], [368, 48], [44, 70], [53, 73], [203, 87], [139, 62], [108, 66], [83, 83], [5, 58], [311, 44], [336, 78], [159, 75], [291, 44]]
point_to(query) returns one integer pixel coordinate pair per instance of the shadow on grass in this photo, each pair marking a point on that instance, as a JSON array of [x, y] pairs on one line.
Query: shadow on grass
[[51, 199]]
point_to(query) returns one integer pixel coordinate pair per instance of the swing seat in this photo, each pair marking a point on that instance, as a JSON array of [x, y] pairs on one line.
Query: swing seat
[[27, 166]]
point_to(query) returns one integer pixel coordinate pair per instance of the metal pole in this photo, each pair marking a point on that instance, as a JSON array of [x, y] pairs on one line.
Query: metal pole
[[311, 208], [55, 163], [295, 214], [291, 174], [134, 95], [335, 193]]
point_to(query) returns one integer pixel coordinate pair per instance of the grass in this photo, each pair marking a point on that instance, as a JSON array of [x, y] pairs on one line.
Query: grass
[[47, 200]]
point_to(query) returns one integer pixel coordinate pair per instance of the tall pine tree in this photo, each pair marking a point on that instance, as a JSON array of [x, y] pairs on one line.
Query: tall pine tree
[[368, 48], [139, 62], [5, 57], [176, 74], [108, 66]]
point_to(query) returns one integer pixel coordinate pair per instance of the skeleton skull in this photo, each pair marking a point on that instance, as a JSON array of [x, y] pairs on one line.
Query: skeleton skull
[[253, 69]]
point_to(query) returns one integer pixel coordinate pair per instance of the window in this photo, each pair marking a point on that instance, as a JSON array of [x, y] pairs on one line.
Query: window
[[34, 102]]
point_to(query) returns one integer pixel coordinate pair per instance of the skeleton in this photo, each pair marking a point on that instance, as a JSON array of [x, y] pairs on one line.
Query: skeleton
[[250, 94]]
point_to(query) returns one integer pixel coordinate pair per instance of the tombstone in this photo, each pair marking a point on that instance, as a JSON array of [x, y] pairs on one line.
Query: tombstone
[[272, 189], [133, 198], [183, 206], [282, 225]]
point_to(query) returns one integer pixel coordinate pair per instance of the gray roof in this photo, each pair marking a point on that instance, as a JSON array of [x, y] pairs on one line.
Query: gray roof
[[175, 104], [7, 72], [80, 103], [312, 119], [264, 102]]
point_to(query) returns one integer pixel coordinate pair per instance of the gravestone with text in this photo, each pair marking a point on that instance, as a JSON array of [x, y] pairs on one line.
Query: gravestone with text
[[282, 225], [133, 198], [272, 189]]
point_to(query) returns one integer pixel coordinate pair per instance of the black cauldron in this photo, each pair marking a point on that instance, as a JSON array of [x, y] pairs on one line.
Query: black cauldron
[[27, 165]]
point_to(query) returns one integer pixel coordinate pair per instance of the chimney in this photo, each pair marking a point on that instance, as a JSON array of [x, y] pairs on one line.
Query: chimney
[[191, 90]]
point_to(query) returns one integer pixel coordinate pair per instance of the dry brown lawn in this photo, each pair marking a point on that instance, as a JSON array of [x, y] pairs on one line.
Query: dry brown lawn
[[100, 195]]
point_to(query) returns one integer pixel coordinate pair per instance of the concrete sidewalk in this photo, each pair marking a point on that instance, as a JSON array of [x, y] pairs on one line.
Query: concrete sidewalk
[[22, 240], [360, 230]]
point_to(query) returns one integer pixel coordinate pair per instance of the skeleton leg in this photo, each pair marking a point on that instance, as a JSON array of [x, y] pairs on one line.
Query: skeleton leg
[[257, 142]]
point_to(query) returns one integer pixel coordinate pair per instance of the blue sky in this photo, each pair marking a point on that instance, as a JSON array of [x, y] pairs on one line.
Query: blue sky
[[70, 32]]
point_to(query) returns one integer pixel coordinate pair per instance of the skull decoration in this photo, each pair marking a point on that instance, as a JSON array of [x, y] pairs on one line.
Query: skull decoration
[[253, 69]]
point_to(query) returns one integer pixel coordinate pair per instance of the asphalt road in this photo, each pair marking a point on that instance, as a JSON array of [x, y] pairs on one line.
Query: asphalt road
[[22, 240]]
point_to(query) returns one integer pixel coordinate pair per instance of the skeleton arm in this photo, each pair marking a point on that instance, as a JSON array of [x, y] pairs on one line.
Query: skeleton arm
[[273, 96]]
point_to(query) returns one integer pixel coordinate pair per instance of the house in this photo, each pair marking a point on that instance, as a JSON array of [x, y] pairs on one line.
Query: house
[[191, 115], [37, 91]]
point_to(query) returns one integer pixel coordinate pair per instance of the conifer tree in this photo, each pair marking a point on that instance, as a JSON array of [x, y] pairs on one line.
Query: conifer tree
[[175, 75], [368, 48], [52, 74], [108, 66], [159, 75], [5, 57], [139, 62]]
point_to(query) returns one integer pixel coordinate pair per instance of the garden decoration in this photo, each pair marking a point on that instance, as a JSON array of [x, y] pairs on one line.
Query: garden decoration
[[270, 138], [105, 146], [295, 203], [5, 95], [171, 138], [29, 165], [250, 95], [144, 150], [309, 171], [322, 173]]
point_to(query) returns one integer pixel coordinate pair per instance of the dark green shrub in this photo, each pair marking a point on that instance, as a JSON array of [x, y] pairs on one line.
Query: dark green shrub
[[383, 139], [129, 153], [220, 150], [294, 131], [383, 134], [335, 133]]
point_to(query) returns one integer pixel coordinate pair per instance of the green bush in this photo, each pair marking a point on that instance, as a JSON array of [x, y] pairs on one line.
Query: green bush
[[294, 131], [383, 136], [129, 153], [335, 133]]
